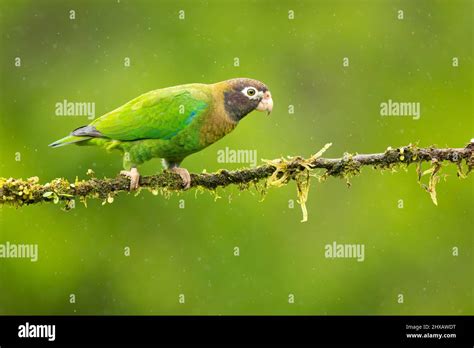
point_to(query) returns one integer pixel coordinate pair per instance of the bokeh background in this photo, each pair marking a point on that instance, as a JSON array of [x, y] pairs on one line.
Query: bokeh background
[[190, 251]]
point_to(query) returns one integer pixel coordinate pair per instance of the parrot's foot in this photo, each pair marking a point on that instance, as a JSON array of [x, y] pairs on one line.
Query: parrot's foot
[[134, 177], [184, 174]]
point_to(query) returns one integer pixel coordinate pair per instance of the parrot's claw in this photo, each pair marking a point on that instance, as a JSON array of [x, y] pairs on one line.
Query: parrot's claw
[[134, 177], [185, 176]]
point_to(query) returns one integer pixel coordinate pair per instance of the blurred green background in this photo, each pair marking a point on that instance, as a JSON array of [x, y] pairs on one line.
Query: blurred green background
[[190, 251]]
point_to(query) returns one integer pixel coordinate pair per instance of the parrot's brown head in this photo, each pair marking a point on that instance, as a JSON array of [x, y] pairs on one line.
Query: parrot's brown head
[[242, 96]]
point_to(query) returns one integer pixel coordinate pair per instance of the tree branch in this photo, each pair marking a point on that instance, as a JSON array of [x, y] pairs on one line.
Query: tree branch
[[19, 192]]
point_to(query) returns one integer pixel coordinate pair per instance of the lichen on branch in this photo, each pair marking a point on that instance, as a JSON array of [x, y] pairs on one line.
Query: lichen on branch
[[273, 173]]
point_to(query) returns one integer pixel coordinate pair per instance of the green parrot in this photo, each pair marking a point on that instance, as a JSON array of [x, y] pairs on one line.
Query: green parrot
[[172, 123]]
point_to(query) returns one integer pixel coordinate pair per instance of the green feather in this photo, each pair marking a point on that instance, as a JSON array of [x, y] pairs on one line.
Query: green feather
[[70, 139], [159, 114]]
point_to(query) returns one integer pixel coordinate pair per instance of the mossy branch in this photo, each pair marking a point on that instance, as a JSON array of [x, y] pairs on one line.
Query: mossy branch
[[19, 192]]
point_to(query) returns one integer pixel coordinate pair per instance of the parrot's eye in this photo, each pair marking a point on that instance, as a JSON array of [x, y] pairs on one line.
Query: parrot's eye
[[251, 92]]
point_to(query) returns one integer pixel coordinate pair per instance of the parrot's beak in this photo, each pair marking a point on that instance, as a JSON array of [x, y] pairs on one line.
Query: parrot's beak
[[266, 104]]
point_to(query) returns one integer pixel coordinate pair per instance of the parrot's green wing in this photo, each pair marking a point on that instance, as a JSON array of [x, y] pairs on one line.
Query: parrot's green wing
[[159, 114]]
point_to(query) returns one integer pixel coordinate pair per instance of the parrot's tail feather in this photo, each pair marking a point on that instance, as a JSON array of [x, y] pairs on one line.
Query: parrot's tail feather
[[70, 139], [86, 131]]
